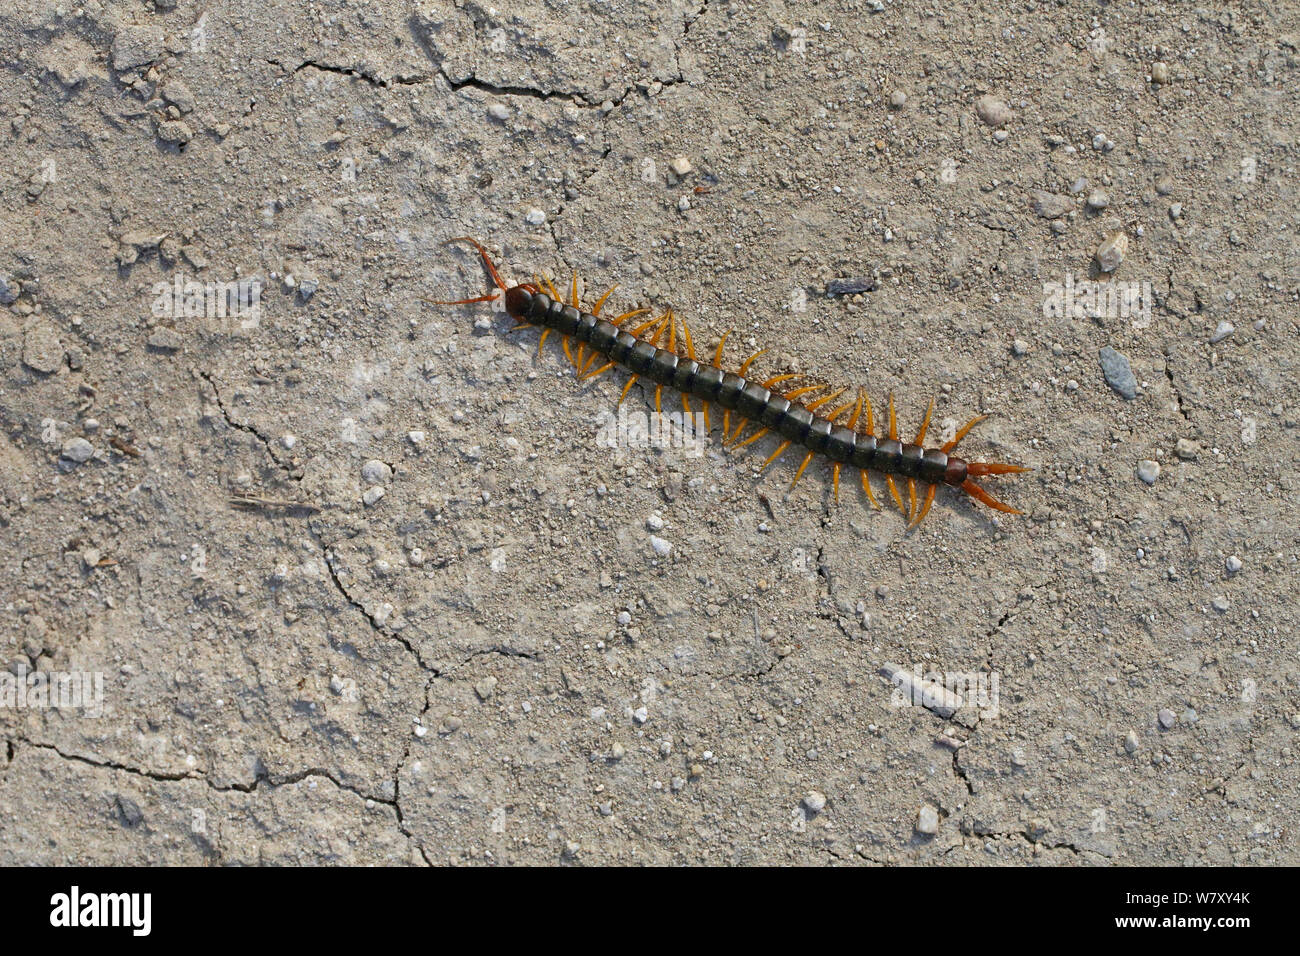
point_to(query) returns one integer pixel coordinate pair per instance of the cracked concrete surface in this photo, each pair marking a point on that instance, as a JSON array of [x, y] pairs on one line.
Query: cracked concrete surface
[[488, 662]]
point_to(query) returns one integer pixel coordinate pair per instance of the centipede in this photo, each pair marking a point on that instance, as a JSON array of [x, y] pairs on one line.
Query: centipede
[[809, 416]]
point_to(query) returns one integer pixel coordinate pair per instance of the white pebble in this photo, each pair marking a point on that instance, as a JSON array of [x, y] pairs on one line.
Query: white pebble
[[681, 166], [376, 472], [1220, 604], [415, 437], [287, 441], [535, 217], [654, 522], [1222, 331], [814, 801], [640, 715], [1233, 564], [624, 619], [927, 821], [373, 494], [1148, 470], [78, 450], [499, 111], [661, 547]]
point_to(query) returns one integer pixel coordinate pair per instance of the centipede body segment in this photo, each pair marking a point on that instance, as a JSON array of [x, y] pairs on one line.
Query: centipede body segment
[[652, 351]]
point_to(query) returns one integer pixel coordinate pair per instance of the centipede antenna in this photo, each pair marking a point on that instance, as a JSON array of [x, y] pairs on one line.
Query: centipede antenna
[[487, 261]]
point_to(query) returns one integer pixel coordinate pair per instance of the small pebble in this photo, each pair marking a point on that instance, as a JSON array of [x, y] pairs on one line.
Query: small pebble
[[927, 821], [993, 112], [640, 715], [814, 801], [1019, 347], [1097, 199], [897, 100], [1160, 72], [372, 495], [486, 688], [1111, 251], [661, 547], [1186, 449], [1165, 185], [1233, 564], [1148, 470], [499, 111], [1166, 718], [623, 618], [78, 450], [1131, 742], [1119, 373], [415, 437], [1176, 211], [1221, 604], [680, 166], [1222, 331], [376, 472], [535, 217]]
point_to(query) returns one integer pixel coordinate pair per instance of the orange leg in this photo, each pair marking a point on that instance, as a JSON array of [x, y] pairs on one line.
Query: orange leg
[[744, 366], [813, 406], [893, 433], [798, 474], [853, 423], [975, 491], [595, 309], [925, 508], [776, 454], [632, 381], [920, 435], [961, 433]]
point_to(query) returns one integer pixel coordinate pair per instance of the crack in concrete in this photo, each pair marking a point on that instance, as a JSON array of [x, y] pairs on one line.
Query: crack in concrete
[[262, 778]]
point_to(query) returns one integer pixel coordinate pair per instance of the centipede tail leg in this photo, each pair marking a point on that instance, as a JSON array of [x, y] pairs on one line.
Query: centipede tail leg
[[975, 491]]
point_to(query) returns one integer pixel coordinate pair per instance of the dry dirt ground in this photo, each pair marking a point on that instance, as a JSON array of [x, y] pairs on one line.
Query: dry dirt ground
[[364, 582]]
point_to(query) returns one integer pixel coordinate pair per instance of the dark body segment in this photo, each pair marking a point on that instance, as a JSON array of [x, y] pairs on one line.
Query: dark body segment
[[748, 399]]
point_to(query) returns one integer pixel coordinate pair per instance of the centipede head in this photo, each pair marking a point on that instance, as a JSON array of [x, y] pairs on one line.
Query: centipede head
[[517, 297]]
